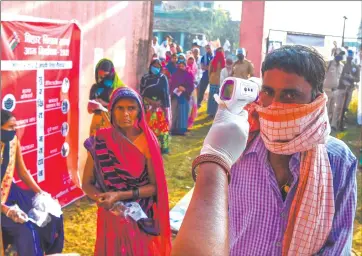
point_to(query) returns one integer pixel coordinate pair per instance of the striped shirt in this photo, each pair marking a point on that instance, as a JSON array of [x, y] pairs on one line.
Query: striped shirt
[[258, 215]]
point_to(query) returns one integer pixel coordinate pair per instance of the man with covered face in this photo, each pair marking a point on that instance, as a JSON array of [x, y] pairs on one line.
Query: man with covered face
[[331, 82], [292, 187], [347, 84], [242, 68]]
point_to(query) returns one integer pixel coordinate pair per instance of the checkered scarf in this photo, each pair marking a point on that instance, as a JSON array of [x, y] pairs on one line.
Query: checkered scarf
[[290, 128]]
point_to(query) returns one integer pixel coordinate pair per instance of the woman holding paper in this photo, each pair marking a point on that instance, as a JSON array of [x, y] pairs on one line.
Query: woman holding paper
[[182, 86], [28, 238], [107, 81], [125, 164], [156, 99]]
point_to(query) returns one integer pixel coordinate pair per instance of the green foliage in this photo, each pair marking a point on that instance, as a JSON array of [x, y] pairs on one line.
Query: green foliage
[[214, 23]]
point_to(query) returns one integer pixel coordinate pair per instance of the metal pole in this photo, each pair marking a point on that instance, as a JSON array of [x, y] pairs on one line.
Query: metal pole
[[344, 26]]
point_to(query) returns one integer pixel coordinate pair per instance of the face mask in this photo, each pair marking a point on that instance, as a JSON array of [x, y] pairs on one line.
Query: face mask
[[108, 82], [155, 70], [7, 135], [338, 58], [241, 57]]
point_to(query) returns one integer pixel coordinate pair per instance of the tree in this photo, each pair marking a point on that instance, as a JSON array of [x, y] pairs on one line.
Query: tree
[[214, 23]]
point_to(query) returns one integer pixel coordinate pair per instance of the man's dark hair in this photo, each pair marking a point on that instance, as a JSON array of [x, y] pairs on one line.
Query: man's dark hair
[[5, 116], [300, 60]]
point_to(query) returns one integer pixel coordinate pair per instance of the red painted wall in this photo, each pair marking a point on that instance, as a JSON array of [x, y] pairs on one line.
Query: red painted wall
[[121, 28], [251, 32]]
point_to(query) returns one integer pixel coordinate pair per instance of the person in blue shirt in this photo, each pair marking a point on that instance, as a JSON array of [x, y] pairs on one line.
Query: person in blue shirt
[[204, 82]]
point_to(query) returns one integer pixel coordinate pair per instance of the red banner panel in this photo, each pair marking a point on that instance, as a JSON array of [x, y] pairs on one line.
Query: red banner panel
[[40, 85]]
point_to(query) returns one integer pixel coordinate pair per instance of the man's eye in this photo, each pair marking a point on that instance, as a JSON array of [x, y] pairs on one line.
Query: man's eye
[[266, 91], [290, 95]]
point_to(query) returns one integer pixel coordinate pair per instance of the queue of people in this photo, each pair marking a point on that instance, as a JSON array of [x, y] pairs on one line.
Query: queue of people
[[260, 190]]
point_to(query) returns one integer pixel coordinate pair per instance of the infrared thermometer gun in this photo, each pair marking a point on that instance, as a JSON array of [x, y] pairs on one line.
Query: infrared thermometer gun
[[236, 93]]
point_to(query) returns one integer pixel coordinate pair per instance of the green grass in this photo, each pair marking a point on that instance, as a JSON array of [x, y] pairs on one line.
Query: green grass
[[184, 149], [80, 217], [353, 138]]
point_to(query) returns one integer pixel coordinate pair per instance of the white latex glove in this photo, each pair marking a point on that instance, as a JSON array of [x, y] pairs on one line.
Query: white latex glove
[[227, 136]]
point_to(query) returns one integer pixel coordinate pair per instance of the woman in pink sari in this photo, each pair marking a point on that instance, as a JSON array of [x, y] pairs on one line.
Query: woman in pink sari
[[125, 164], [192, 69]]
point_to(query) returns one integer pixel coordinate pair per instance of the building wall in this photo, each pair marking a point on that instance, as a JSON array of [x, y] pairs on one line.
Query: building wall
[[251, 32], [121, 28]]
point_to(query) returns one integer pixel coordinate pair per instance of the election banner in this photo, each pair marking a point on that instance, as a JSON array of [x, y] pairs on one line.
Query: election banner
[[40, 62]]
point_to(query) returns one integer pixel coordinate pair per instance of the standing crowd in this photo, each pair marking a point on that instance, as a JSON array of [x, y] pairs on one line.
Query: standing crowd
[[176, 83]]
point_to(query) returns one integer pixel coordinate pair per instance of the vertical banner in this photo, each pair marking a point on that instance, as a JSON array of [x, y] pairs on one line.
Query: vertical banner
[[40, 85], [40, 124]]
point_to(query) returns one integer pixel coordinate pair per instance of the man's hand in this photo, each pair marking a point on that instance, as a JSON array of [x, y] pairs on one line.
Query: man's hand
[[227, 136]]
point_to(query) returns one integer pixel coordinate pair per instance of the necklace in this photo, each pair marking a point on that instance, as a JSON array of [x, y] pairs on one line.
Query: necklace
[[286, 186]]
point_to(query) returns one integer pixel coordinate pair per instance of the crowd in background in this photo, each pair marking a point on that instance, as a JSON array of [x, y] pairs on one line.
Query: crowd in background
[[175, 85]]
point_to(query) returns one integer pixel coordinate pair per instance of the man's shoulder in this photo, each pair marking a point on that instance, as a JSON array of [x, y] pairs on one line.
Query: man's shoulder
[[338, 151]]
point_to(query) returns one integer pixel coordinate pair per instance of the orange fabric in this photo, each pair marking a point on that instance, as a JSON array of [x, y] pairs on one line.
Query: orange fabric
[[141, 144], [99, 120], [293, 112], [290, 128]]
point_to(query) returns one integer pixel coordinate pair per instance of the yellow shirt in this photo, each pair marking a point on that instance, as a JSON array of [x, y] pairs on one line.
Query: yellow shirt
[[244, 69]]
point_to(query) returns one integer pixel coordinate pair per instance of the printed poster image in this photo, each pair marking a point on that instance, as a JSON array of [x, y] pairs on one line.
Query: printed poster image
[[40, 85]]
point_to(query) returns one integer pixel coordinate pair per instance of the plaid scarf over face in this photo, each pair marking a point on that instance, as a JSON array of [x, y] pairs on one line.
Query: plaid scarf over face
[[290, 128]]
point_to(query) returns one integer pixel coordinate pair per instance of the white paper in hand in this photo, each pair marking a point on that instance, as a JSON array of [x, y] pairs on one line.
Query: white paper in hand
[[177, 92], [99, 105], [45, 203], [135, 211]]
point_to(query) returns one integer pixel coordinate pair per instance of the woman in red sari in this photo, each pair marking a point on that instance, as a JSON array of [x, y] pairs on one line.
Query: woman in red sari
[[192, 69], [125, 164]]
